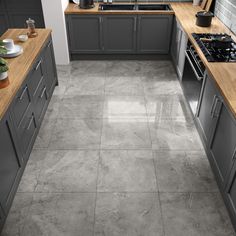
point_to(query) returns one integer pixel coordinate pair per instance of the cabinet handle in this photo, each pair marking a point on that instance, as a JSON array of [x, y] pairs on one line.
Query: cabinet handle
[[215, 111], [49, 44], [213, 105], [31, 120], [39, 63], [23, 93], [43, 92], [135, 24]]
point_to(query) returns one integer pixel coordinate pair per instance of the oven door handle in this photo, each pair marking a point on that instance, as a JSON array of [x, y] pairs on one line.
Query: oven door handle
[[198, 74]]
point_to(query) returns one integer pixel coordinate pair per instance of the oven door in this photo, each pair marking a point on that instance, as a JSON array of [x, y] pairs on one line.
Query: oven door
[[192, 79]]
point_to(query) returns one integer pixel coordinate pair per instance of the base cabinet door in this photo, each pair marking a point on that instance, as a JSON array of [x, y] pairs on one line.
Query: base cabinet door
[[154, 33], [51, 73], [223, 144], [10, 167], [4, 22], [209, 103], [2, 218], [84, 33], [119, 34]]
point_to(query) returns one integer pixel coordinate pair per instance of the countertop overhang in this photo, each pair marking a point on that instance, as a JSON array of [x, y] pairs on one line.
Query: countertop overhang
[[224, 74], [20, 66]]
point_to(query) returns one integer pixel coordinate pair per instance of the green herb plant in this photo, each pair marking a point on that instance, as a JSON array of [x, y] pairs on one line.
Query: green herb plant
[[3, 63]]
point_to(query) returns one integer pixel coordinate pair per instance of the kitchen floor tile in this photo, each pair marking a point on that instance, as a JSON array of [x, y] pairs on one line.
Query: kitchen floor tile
[[34, 165], [86, 85], [167, 107], [76, 134], [125, 134], [184, 172], [126, 171], [61, 214], [195, 214], [17, 216], [124, 85], [174, 135], [124, 107], [69, 171], [77, 106], [128, 214]]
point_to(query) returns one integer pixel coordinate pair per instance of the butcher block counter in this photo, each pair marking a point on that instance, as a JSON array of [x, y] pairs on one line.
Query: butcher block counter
[[20, 66], [224, 74]]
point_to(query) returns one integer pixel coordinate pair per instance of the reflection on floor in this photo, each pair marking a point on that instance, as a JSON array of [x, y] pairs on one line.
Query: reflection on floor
[[118, 155]]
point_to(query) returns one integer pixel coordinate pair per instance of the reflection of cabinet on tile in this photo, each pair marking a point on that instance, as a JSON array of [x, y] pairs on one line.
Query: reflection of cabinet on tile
[[20, 124]]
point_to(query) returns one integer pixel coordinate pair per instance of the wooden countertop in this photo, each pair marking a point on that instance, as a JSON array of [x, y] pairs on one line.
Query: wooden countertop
[[74, 9], [20, 66], [223, 73]]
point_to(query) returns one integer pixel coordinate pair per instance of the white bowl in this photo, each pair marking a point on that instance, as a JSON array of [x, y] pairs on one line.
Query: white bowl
[[23, 37]]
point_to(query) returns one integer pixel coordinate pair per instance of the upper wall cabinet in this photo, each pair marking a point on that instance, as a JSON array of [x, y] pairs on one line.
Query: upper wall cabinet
[[119, 33], [154, 33], [23, 4], [4, 22]]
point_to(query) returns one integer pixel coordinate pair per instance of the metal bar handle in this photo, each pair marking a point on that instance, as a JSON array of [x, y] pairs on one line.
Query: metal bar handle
[[199, 77], [39, 63], [213, 105], [23, 93], [43, 92], [31, 120]]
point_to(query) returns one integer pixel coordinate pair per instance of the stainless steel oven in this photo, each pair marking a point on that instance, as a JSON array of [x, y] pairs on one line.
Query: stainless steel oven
[[192, 77]]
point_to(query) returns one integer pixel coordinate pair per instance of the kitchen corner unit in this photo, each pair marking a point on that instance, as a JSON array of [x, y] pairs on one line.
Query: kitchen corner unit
[[23, 105]]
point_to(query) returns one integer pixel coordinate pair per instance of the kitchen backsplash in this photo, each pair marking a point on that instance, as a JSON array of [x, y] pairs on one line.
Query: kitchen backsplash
[[225, 10]]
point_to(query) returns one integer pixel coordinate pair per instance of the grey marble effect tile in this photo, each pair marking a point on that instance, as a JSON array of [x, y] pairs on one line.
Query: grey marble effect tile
[[76, 134], [77, 106], [167, 107], [126, 171], [86, 85], [61, 214], [17, 216], [195, 214], [174, 135], [30, 177], [53, 107], [124, 107], [125, 134], [45, 133], [184, 172], [124, 85], [88, 68], [128, 214], [69, 171]]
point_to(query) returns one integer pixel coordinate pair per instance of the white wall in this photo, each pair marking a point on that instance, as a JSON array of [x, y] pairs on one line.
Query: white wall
[[54, 18]]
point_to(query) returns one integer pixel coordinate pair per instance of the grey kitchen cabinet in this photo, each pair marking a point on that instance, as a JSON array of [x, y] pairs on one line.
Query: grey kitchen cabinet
[[223, 143], [178, 47], [154, 33], [209, 102], [10, 167], [84, 33], [119, 33], [2, 217], [24, 4], [49, 61], [4, 22]]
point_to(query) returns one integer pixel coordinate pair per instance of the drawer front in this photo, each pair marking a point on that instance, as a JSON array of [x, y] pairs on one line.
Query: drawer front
[[20, 105], [27, 133], [41, 99], [37, 74]]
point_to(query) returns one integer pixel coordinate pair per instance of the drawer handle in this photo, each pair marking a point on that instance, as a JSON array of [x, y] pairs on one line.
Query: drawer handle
[[49, 44], [43, 92], [23, 93], [216, 111], [39, 63], [31, 120], [213, 105]]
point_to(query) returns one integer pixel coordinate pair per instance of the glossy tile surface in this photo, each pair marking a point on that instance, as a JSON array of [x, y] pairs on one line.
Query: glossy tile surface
[[118, 155]]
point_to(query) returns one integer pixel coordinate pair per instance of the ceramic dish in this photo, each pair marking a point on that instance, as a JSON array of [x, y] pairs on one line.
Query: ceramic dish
[[16, 51]]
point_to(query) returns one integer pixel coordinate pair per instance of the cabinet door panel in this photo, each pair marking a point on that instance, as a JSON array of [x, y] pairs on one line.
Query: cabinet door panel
[[223, 144], [4, 22], [119, 33], [49, 62], [84, 33], [207, 102], [18, 18], [10, 165], [154, 34]]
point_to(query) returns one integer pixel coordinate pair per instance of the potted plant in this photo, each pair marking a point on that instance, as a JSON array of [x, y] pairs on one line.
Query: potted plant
[[3, 63]]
